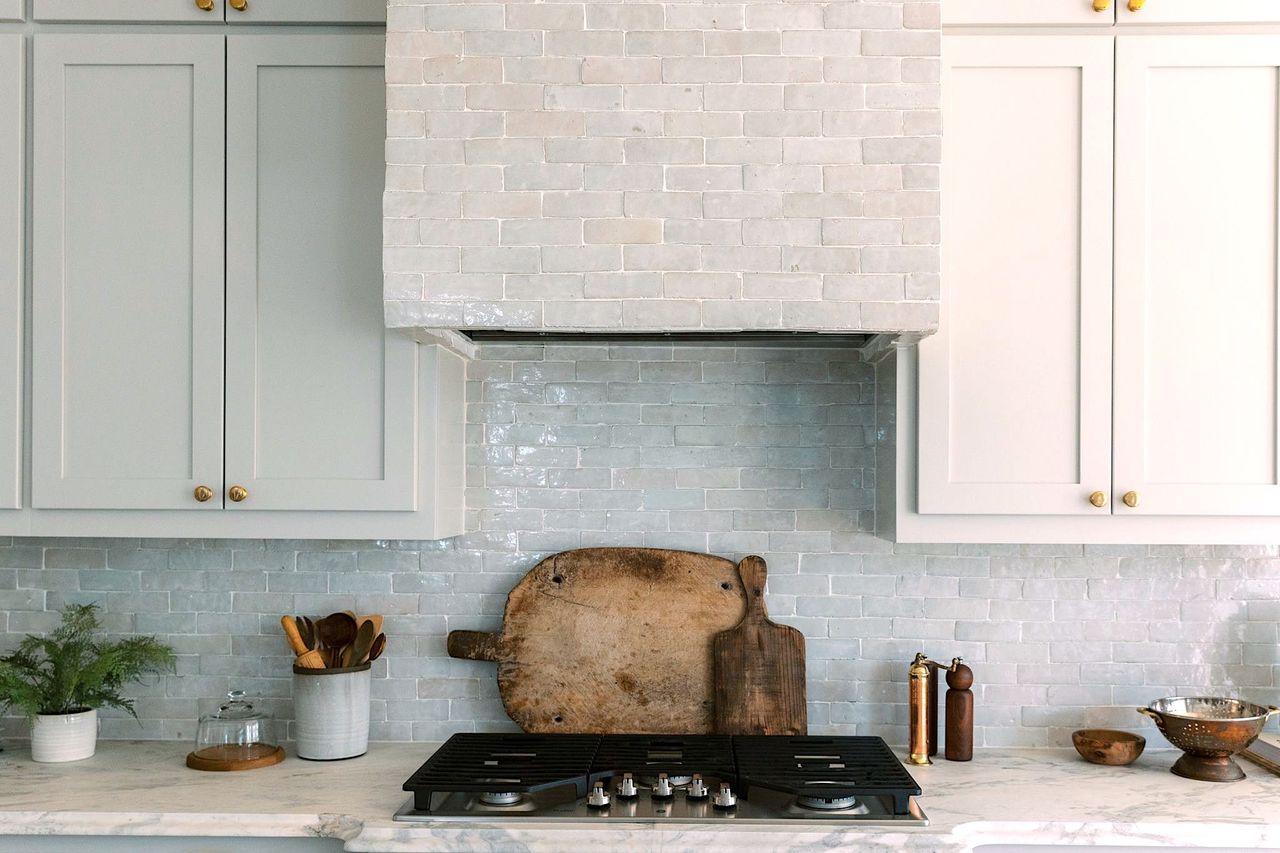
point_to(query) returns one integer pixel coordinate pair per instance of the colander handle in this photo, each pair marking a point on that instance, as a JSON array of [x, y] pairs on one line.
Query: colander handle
[[1272, 710], [1152, 714]]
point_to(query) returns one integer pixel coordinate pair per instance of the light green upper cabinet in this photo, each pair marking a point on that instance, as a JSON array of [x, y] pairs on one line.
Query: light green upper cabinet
[[11, 268], [139, 11], [307, 12], [128, 270], [320, 397], [207, 300]]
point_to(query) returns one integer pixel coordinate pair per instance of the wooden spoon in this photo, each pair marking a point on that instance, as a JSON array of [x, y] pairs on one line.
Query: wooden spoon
[[306, 630], [336, 632], [379, 645], [364, 642], [375, 619]]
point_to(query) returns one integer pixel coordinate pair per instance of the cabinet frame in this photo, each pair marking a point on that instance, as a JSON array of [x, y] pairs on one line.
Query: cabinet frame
[[246, 55], [51, 487], [12, 265]]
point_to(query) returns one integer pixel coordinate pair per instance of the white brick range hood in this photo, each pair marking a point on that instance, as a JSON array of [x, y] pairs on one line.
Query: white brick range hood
[[645, 166]]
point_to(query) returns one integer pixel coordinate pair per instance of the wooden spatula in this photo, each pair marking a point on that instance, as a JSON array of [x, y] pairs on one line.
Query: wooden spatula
[[759, 668]]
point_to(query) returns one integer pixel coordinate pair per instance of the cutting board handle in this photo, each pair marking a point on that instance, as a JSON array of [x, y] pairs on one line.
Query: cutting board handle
[[475, 645], [754, 574]]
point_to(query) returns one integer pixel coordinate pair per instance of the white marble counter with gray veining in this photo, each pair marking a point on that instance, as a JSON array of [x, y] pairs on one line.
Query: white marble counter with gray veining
[[1004, 796]]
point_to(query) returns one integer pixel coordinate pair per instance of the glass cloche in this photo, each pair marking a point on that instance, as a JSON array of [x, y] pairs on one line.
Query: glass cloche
[[237, 736]]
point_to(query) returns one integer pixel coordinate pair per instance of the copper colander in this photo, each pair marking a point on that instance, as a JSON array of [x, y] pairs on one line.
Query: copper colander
[[1209, 730]]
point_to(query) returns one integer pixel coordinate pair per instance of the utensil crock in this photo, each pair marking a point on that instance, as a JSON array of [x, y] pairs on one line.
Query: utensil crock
[[331, 707]]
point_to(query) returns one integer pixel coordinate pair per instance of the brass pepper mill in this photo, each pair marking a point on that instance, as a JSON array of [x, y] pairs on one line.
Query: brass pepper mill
[[920, 677]]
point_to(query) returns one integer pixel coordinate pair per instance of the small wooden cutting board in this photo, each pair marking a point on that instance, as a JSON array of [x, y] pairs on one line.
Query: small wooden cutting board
[[759, 668]]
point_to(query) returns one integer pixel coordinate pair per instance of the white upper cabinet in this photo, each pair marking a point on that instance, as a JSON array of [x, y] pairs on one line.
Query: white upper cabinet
[[128, 271], [12, 259], [321, 399], [140, 11], [982, 13], [1196, 280], [1067, 332], [1015, 402], [306, 11], [1198, 11]]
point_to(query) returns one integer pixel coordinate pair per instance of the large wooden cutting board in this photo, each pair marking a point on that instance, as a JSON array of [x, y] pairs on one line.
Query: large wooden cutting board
[[612, 640]]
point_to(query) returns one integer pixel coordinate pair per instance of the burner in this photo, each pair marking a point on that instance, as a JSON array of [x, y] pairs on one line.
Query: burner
[[679, 756], [498, 764], [818, 769], [832, 804], [500, 798], [674, 780]]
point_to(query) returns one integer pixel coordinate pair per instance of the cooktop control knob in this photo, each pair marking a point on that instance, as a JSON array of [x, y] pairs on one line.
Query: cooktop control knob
[[662, 788], [627, 787], [599, 797], [724, 798], [697, 788]]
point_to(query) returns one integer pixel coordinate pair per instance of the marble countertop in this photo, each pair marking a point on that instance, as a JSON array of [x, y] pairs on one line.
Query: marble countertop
[[1004, 796]]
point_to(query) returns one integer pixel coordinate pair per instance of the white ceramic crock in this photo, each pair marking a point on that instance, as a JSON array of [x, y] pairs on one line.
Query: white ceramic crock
[[64, 737], [331, 707]]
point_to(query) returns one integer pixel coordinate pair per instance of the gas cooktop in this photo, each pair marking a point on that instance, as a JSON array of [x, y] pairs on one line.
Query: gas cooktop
[[651, 778]]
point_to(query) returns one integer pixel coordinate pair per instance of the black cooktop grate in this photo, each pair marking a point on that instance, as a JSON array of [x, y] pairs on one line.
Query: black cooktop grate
[[824, 767], [499, 763], [676, 755], [811, 766]]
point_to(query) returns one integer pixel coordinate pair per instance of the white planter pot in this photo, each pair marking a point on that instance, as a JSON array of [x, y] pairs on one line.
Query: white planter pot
[[331, 707], [64, 737]]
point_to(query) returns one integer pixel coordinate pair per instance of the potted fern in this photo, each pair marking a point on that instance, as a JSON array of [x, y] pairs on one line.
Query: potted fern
[[59, 682]]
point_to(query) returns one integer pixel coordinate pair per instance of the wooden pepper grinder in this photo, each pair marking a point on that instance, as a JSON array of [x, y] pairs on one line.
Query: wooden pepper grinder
[[959, 712]]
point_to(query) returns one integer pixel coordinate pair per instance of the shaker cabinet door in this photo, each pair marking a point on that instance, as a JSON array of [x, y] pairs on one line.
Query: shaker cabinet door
[[1196, 282], [991, 13], [12, 261], [320, 396], [128, 271], [131, 11], [1198, 12], [307, 12], [1015, 404]]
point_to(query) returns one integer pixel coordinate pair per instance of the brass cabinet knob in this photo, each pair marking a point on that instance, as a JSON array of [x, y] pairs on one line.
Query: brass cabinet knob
[[1101, 5], [204, 5], [204, 494], [1136, 5], [1130, 499], [237, 493], [1098, 499], [238, 5]]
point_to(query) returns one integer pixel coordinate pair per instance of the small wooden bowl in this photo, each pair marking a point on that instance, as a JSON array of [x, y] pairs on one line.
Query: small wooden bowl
[[1108, 746]]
